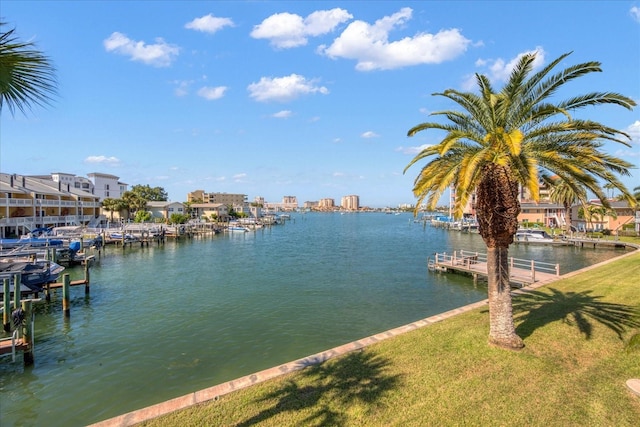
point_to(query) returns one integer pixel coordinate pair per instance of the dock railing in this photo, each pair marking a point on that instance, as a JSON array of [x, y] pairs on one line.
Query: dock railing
[[467, 259]]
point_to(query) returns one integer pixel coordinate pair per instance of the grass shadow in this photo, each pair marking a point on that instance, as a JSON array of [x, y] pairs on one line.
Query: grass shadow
[[358, 377], [579, 309]]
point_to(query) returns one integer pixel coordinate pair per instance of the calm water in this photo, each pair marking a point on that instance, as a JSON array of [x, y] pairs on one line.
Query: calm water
[[167, 320]]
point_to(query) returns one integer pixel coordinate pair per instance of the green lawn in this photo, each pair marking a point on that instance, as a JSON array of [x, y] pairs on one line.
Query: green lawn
[[572, 371]]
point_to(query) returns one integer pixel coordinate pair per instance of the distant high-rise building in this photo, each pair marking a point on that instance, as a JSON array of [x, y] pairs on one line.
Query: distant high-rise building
[[326, 204], [289, 203], [351, 202]]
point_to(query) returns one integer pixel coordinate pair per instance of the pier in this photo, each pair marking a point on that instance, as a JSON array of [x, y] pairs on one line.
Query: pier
[[522, 272], [594, 243]]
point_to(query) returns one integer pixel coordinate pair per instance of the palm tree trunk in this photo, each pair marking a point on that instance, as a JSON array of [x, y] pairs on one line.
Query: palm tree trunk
[[502, 331]]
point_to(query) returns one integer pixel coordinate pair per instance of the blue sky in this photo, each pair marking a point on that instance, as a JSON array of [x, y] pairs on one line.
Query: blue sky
[[304, 98]]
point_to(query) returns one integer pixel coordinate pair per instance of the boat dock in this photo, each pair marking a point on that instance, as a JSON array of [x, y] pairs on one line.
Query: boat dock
[[522, 272]]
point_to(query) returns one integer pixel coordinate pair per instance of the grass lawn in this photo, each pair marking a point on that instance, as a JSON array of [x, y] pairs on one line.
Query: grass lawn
[[572, 371]]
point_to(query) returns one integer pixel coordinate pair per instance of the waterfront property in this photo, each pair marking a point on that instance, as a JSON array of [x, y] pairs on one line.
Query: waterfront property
[[28, 202], [192, 313]]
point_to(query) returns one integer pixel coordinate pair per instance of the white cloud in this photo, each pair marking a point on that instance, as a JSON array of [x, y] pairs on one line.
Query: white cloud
[[369, 134], [287, 30], [634, 132], [211, 93], [500, 70], [109, 161], [635, 13], [283, 89], [284, 114], [160, 54], [209, 24], [413, 150], [370, 46], [239, 177]]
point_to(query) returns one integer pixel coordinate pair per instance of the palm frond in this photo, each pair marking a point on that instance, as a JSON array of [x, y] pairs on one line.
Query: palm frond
[[27, 77]]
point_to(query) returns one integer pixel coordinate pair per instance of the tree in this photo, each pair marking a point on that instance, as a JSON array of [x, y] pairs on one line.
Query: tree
[[111, 205], [133, 202], [502, 140], [177, 218], [142, 216], [155, 194], [567, 194], [595, 214], [27, 77]]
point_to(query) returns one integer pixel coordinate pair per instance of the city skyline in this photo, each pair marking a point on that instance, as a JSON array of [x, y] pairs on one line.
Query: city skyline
[[312, 99]]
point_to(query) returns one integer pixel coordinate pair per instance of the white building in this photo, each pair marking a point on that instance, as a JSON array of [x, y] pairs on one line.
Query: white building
[[107, 186]]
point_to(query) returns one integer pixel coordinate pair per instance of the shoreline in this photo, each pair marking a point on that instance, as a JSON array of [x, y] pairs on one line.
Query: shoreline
[[214, 392]]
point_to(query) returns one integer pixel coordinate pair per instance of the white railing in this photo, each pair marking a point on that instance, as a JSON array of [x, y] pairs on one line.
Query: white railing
[[466, 259]]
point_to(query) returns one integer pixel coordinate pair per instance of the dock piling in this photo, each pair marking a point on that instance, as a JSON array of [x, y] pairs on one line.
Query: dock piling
[[66, 282], [6, 304], [86, 276], [17, 279], [27, 332]]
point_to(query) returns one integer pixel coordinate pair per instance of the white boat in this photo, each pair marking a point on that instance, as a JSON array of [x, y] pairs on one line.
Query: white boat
[[533, 236]]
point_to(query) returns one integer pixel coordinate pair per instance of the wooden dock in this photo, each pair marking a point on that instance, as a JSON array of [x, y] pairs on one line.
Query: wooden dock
[[522, 272]]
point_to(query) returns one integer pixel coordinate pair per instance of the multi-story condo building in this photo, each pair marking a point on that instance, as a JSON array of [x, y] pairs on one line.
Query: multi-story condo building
[[30, 202], [199, 196], [351, 203], [326, 204], [107, 186], [289, 203], [311, 205]]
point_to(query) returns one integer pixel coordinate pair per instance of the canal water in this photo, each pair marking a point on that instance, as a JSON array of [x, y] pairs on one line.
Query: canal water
[[164, 321]]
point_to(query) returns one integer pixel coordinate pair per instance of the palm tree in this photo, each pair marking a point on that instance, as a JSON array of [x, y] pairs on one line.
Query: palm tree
[[113, 205], [506, 139], [596, 213], [567, 194], [27, 77], [133, 202]]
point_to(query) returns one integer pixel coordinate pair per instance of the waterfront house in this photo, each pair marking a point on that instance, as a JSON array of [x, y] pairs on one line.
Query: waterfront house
[[548, 214], [207, 210], [164, 210], [597, 218]]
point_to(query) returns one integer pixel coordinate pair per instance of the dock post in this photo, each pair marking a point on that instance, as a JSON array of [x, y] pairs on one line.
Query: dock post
[[17, 279], [533, 271], [66, 282], [47, 292], [86, 277], [27, 332], [558, 270], [6, 304]]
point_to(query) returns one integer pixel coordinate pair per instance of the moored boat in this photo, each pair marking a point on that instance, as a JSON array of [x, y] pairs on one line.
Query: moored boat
[[33, 274], [533, 236]]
